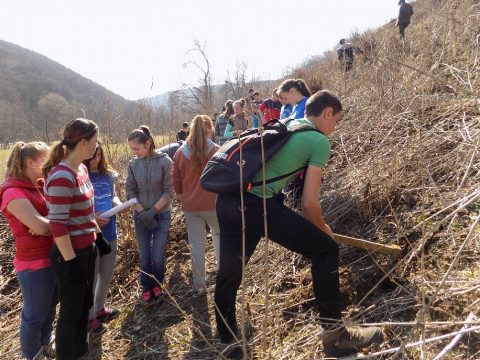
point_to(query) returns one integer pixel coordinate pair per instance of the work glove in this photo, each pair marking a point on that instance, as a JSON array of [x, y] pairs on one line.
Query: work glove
[[103, 245], [75, 271], [152, 225], [146, 217]]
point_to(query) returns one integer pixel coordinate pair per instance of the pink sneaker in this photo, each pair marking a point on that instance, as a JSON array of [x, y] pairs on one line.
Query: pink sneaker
[[96, 327], [157, 291], [107, 313], [146, 298]]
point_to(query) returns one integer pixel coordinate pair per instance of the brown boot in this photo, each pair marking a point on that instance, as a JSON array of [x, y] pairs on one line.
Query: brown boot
[[346, 341]]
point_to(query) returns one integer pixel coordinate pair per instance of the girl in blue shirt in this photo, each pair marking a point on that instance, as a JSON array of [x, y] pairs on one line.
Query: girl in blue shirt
[[103, 179], [296, 93]]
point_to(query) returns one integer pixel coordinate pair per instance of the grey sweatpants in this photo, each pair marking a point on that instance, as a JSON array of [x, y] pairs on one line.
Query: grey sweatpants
[[196, 222], [103, 277]]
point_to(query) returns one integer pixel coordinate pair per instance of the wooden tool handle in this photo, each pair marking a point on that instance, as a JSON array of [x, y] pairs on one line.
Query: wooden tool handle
[[393, 250]]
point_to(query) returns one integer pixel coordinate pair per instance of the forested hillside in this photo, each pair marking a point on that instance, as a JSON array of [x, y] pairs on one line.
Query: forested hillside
[[37, 95]]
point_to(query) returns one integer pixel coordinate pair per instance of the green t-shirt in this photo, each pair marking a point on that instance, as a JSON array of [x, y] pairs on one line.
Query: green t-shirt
[[301, 150]]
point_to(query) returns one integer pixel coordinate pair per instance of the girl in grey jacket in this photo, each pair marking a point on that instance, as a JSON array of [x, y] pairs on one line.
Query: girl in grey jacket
[[149, 180]]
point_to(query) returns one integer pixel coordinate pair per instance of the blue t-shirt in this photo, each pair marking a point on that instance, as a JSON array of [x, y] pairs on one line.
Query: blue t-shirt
[[103, 195], [298, 111], [285, 111]]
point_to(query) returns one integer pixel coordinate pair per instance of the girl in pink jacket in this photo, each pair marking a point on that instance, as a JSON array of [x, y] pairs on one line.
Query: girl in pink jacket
[[198, 205]]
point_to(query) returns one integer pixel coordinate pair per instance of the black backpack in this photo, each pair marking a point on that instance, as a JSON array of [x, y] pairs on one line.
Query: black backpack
[[222, 173]]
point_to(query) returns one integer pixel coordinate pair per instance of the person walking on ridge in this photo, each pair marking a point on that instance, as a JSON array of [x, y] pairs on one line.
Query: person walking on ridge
[[404, 14], [346, 54]]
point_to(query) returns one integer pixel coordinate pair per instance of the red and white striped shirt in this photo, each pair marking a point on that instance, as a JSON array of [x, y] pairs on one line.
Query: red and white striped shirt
[[69, 197]]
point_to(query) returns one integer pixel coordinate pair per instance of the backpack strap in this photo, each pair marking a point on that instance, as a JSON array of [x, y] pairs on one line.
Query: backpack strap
[[276, 178], [297, 128]]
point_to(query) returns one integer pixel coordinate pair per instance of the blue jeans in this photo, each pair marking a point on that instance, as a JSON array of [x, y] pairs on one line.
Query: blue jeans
[[151, 245], [38, 312]]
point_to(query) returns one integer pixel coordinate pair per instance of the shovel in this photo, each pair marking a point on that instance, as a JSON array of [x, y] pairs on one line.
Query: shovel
[[393, 251]]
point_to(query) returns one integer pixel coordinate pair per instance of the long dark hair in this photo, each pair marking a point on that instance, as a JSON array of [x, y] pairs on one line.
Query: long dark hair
[[142, 135], [103, 166], [228, 108], [74, 132], [298, 84]]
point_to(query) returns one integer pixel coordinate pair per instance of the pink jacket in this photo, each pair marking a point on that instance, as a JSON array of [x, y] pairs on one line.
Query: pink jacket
[[187, 184], [27, 247]]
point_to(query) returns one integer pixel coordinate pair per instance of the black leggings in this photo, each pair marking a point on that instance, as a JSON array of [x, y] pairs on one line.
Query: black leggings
[[75, 303], [286, 228]]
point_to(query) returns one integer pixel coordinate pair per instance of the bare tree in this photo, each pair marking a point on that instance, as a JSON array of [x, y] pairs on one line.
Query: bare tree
[[237, 85], [200, 96]]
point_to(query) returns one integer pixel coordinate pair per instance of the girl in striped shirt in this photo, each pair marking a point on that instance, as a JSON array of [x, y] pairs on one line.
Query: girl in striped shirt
[[69, 197]]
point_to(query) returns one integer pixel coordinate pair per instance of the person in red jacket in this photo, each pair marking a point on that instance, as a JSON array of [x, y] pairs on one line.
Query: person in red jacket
[[270, 108], [198, 205], [23, 205]]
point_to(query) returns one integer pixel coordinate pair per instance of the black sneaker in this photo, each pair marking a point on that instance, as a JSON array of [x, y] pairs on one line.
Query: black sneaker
[[234, 349], [346, 341]]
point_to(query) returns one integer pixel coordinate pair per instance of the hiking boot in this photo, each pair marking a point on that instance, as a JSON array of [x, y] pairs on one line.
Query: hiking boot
[[146, 298], [235, 351], [107, 314], [157, 291], [96, 327], [347, 341], [249, 330]]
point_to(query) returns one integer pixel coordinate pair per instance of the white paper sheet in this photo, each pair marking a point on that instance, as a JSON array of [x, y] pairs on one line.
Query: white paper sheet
[[118, 208]]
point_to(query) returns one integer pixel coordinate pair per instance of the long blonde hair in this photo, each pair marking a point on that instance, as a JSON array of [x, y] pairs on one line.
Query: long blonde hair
[[197, 141], [20, 153]]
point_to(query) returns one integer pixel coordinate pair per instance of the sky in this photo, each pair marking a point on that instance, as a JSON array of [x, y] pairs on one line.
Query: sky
[[139, 48]]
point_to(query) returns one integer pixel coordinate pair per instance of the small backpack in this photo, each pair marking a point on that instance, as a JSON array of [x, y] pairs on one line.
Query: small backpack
[[222, 172]]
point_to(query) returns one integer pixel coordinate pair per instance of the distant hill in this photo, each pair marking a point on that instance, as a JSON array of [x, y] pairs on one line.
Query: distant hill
[[221, 92], [37, 95]]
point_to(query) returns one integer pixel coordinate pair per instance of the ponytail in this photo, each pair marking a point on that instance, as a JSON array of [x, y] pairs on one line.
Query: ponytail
[[298, 84], [197, 142], [56, 155], [73, 132], [142, 135], [303, 88], [20, 153], [15, 161]]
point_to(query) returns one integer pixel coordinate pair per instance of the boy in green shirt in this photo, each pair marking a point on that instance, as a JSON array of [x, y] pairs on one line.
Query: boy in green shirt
[[308, 235]]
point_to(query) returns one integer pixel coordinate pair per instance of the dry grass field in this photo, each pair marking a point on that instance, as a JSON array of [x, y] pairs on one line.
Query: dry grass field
[[405, 169]]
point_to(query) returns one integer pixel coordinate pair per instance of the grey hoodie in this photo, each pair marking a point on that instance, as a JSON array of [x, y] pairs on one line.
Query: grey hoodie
[[150, 179]]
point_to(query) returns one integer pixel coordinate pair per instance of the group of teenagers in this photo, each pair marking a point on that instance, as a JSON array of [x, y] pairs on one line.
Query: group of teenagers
[[234, 120], [53, 199]]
